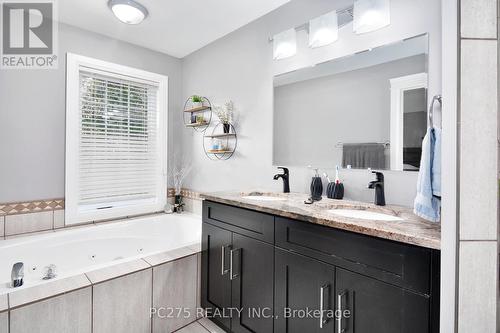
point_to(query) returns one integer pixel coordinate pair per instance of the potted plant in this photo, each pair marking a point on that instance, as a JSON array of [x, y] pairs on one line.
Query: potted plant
[[225, 115], [197, 101]]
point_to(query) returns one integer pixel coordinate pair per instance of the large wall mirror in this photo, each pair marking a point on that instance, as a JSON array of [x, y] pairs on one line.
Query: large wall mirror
[[366, 110]]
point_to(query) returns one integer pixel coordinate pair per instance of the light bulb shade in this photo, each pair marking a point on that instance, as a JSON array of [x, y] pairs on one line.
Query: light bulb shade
[[285, 44], [323, 30], [371, 15], [128, 11]]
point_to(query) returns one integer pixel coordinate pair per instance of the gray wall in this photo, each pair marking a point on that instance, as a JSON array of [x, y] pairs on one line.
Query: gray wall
[[312, 116], [32, 113], [240, 67]]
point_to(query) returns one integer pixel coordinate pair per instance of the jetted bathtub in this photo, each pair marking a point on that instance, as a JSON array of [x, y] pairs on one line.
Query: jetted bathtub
[[95, 246]]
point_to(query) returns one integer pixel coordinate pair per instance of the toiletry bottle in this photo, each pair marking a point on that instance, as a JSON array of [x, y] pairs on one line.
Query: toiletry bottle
[[329, 187], [338, 190], [316, 186]]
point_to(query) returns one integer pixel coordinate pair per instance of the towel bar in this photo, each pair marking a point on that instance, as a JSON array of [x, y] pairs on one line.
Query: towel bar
[[341, 144], [431, 108]]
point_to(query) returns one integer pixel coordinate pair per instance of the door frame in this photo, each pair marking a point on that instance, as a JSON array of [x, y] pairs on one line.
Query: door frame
[[398, 87]]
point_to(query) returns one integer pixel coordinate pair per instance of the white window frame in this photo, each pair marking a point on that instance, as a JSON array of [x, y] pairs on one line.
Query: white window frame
[[74, 64]]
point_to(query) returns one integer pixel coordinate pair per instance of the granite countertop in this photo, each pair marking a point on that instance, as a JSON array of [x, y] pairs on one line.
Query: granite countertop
[[411, 230]]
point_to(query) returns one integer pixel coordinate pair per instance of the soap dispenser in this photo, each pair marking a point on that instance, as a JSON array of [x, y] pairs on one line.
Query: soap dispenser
[[316, 186], [338, 190]]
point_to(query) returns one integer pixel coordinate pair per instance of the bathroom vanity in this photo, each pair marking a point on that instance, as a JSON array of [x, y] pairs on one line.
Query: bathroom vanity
[[278, 261]]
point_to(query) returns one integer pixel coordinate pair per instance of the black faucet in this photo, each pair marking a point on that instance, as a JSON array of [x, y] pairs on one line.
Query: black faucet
[[378, 185], [286, 179]]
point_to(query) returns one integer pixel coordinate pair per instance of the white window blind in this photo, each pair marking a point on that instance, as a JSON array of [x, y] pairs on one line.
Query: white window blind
[[119, 161], [118, 141]]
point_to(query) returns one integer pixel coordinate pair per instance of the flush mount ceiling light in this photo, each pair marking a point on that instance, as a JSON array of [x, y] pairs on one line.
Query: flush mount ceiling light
[[371, 15], [285, 44], [323, 30], [128, 11]]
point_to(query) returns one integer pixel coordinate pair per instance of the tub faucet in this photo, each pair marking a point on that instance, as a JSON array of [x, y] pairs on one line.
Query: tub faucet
[[378, 185], [17, 275], [286, 179]]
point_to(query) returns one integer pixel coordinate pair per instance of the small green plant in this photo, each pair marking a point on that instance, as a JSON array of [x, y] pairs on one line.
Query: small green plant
[[197, 99]]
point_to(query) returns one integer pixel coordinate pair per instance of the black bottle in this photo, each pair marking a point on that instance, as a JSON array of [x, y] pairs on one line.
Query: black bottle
[[316, 187]]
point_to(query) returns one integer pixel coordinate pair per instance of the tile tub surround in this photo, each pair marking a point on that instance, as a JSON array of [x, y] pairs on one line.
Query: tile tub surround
[[99, 300], [13, 225], [20, 218], [185, 293], [31, 206], [27, 223], [412, 230]]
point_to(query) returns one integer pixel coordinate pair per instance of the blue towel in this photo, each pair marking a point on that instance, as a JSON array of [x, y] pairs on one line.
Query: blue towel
[[427, 204], [436, 163]]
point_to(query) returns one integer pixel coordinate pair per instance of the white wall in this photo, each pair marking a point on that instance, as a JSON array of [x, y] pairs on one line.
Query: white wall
[[32, 113], [240, 67]]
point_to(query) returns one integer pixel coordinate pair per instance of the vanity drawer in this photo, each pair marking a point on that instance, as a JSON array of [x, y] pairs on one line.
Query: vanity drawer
[[396, 263], [243, 221]]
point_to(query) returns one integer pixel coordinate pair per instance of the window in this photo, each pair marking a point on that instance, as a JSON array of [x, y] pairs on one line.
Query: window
[[115, 140]]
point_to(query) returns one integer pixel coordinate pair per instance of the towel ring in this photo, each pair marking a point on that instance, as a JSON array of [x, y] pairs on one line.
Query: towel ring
[[438, 98]]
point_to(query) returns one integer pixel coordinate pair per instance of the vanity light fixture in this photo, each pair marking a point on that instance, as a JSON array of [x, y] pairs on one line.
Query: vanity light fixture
[[285, 44], [323, 30], [128, 11], [371, 15]]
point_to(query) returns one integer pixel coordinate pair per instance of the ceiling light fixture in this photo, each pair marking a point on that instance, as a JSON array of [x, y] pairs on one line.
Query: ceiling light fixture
[[128, 11], [371, 15], [323, 30], [285, 44]]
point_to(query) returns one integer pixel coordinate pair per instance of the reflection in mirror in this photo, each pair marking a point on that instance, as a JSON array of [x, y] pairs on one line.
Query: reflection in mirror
[[414, 127], [366, 110]]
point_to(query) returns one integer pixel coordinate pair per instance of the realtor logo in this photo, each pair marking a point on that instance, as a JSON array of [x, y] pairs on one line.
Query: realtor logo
[[28, 34]]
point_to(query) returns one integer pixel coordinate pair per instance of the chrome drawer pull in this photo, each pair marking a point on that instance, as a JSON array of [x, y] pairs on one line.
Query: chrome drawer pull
[[340, 296], [233, 276], [322, 320], [223, 259]]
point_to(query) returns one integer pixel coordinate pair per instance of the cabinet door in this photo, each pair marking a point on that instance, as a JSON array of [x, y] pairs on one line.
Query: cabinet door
[[251, 273], [303, 284], [378, 307], [216, 286]]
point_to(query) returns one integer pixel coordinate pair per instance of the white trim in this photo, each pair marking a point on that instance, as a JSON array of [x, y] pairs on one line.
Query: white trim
[[448, 313], [74, 64], [398, 87]]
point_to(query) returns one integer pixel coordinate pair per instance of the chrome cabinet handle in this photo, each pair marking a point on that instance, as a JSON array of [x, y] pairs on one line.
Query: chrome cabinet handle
[[340, 296], [232, 276], [223, 259], [322, 320]]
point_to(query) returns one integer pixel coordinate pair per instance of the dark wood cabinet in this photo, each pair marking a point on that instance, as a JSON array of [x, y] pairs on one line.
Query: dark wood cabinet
[[237, 271], [377, 307], [280, 273], [252, 285], [216, 286], [303, 286]]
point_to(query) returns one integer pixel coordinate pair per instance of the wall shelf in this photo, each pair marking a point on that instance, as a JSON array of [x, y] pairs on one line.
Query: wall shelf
[[197, 124], [219, 151], [197, 117], [222, 135], [219, 145], [198, 109]]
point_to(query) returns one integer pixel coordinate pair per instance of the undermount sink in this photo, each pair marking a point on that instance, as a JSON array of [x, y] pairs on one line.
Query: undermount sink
[[364, 214], [262, 197]]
